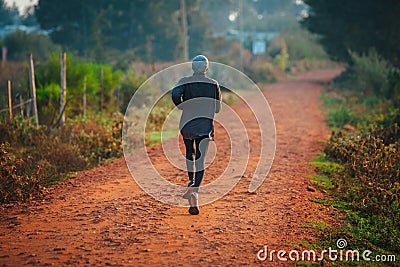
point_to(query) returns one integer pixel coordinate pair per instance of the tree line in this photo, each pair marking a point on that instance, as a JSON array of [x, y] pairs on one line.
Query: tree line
[[146, 30], [356, 26]]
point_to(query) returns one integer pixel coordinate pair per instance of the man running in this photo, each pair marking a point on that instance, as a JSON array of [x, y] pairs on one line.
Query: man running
[[200, 98]]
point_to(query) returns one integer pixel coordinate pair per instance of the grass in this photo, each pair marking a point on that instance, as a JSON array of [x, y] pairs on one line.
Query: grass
[[362, 232], [377, 233], [322, 182], [60, 178], [325, 169], [155, 138], [326, 166], [337, 204], [337, 112]]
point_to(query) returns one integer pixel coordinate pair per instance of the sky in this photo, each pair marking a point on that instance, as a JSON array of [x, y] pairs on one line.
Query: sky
[[21, 4]]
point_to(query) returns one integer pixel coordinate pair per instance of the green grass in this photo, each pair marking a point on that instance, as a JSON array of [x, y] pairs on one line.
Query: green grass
[[377, 233], [326, 170], [338, 111], [322, 182], [326, 166], [332, 202], [155, 138]]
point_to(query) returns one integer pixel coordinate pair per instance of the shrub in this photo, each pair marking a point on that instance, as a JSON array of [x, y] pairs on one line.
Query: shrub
[[340, 117], [94, 141], [372, 161], [370, 156], [130, 82], [393, 86], [304, 46], [79, 75], [367, 74], [370, 182], [261, 70], [19, 180], [282, 59], [32, 158]]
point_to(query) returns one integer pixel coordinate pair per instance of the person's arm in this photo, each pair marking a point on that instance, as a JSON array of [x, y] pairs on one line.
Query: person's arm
[[177, 93], [218, 98]]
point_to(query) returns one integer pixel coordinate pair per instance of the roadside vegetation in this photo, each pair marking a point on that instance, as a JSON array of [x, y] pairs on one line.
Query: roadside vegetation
[[360, 164]]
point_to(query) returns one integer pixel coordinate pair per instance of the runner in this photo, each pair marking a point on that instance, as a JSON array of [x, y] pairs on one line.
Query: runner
[[200, 98]]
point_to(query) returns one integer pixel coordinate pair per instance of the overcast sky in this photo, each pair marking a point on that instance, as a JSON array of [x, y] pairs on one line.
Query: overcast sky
[[21, 4]]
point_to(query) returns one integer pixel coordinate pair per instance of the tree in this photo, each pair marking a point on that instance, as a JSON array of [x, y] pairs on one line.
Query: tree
[[20, 44], [149, 28], [356, 25], [70, 22], [7, 14]]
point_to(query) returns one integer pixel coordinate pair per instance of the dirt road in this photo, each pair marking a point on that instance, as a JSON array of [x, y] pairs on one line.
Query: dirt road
[[103, 218]]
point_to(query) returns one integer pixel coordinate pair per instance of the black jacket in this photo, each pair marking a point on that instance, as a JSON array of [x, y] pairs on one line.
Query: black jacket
[[199, 97]]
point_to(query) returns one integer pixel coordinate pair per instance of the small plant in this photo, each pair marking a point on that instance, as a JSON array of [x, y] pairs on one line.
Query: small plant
[[19, 180], [282, 59], [32, 158]]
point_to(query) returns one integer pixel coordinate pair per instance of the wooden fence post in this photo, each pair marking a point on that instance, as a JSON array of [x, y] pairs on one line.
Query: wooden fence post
[[33, 89], [9, 98], [63, 95]]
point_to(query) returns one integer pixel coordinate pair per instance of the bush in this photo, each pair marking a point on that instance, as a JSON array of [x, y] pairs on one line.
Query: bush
[[94, 140], [393, 86], [370, 181], [261, 70], [374, 163], [369, 184], [32, 158], [18, 181], [303, 45], [130, 82], [79, 75], [340, 117], [367, 74]]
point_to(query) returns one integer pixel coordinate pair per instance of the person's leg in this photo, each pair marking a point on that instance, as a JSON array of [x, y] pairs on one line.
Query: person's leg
[[189, 147], [201, 151], [190, 194], [189, 155]]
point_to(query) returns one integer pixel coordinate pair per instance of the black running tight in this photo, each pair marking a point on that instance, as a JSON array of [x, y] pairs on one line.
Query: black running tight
[[196, 150]]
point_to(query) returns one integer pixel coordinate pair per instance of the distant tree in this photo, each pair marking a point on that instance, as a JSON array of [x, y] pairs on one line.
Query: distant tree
[[20, 44], [153, 28], [7, 14], [148, 27], [356, 25], [199, 29], [3, 13], [70, 22], [95, 27], [29, 19]]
